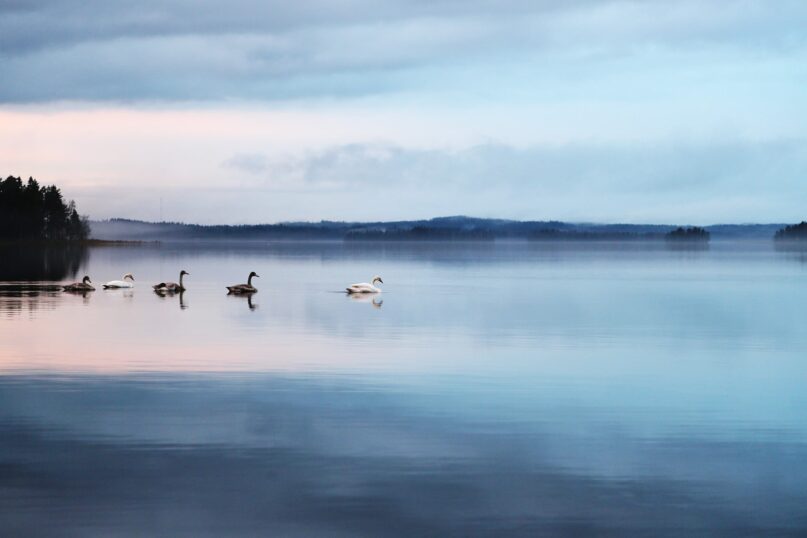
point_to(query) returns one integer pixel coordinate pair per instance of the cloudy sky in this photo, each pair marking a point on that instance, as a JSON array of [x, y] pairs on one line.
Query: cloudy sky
[[261, 111]]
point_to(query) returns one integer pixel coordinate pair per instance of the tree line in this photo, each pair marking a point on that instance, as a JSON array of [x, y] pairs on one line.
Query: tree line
[[29, 210], [692, 233], [795, 232]]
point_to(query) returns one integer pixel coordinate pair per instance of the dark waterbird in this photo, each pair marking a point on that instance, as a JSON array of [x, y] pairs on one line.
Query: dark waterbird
[[171, 287], [244, 288], [84, 285]]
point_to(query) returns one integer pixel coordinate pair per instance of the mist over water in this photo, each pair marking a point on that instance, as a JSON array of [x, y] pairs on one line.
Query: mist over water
[[491, 389]]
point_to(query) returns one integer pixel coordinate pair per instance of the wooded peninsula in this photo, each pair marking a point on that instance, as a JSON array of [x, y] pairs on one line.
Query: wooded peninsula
[[30, 211]]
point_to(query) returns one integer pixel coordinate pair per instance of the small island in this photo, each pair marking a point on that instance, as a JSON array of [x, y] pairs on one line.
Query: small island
[[29, 211], [794, 232], [694, 234]]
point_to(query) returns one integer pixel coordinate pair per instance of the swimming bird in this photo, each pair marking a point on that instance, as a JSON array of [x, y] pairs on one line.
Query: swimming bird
[[171, 287], [364, 287], [244, 288], [84, 285], [122, 283]]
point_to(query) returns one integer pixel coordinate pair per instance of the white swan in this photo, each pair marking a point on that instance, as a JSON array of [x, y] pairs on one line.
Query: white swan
[[364, 287], [122, 283]]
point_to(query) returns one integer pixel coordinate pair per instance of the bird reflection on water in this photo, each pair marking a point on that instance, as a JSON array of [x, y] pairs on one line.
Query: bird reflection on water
[[166, 294], [242, 295], [84, 294], [373, 300]]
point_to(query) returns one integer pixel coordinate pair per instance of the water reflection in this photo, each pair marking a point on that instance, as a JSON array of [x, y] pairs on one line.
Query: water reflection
[[86, 295], [168, 294], [687, 246], [535, 390], [28, 297], [128, 294], [374, 300], [31, 262], [246, 297], [278, 455], [82, 293], [27, 289], [792, 250]]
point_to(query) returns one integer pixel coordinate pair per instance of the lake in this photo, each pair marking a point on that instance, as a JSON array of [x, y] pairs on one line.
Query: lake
[[492, 389]]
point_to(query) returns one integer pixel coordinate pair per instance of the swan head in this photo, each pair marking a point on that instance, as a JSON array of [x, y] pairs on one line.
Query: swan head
[[377, 279], [86, 280], [129, 276], [184, 272], [253, 273]]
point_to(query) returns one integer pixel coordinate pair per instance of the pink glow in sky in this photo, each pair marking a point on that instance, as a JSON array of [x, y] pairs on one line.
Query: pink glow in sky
[[597, 110]]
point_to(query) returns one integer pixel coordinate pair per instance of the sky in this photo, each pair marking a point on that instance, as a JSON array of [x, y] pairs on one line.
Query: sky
[[253, 111]]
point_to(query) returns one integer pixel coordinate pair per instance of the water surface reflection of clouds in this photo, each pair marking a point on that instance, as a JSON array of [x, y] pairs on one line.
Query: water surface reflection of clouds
[[274, 454], [509, 389]]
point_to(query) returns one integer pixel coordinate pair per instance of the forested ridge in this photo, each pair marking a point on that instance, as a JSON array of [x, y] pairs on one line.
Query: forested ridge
[[795, 232]]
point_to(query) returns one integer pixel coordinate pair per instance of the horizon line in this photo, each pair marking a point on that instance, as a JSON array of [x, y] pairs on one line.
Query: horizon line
[[446, 217]]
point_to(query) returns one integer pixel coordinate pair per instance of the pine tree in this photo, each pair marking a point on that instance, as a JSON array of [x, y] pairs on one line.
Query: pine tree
[[30, 211]]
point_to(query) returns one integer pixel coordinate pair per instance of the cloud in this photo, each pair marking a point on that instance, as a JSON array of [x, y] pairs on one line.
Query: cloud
[[651, 167], [174, 51], [252, 163], [702, 183], [660, 110]]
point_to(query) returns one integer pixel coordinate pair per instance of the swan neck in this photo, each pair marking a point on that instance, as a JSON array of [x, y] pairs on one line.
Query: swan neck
[[249, 280]]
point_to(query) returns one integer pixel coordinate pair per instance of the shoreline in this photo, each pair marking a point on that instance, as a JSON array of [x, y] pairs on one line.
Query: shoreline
[[81, 242]]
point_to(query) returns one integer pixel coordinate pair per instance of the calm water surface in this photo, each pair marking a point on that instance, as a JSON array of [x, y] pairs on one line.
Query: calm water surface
[[490, 390]]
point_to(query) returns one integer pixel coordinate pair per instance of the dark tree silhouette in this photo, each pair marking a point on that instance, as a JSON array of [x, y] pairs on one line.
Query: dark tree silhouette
[[796, 232], [30, 211], [693, 233]]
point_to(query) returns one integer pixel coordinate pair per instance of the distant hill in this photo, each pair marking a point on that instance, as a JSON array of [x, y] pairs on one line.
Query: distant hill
[[438, 229]]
